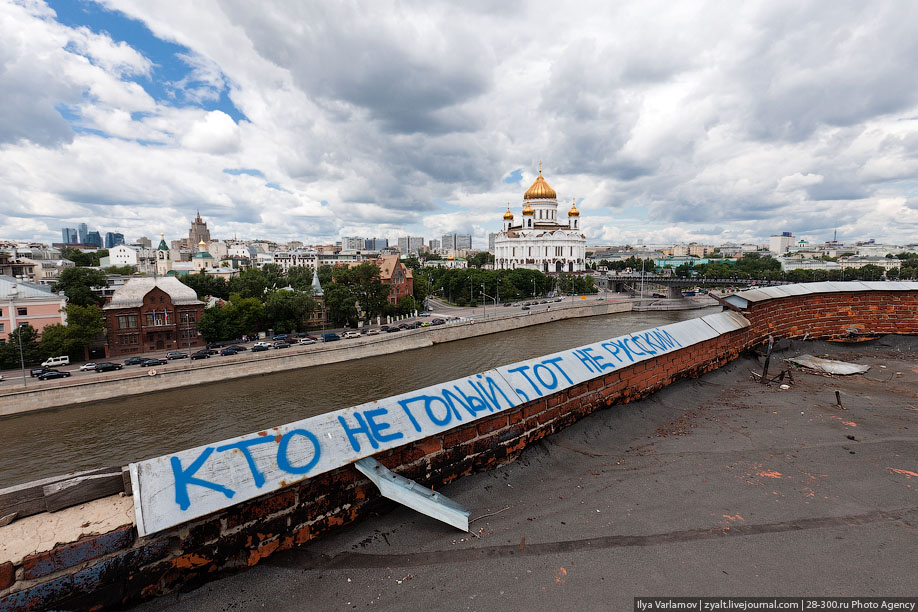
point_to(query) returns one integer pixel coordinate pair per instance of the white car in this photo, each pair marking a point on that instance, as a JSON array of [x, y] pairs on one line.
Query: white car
[[306, 341], [351, 334], [373, 332], [89, 366], [264, 344]]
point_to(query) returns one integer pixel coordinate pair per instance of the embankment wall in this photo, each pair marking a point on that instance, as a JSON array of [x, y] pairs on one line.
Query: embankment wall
[[116, 567], [180, 374]]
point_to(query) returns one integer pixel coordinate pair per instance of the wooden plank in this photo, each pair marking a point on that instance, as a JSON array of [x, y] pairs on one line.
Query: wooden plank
[[28, 498], [126, 478], [82, 489]]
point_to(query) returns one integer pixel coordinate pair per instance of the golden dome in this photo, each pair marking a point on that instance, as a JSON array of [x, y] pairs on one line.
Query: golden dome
[[528, 210], [540, 190], [508, 216], [201, 245], [573, 212]]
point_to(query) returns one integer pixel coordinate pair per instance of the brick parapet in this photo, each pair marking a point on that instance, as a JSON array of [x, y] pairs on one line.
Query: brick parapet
[[112, 569]]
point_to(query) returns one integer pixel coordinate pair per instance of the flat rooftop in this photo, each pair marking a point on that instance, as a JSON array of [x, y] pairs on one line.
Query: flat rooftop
[[713, 486]]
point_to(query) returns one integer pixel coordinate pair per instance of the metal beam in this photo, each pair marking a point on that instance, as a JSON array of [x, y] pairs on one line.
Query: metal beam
[[409, 493]]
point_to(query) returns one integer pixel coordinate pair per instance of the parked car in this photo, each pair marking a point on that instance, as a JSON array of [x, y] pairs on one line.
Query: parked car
[[176, 355], [134, 360], [426, 324], [202, 354], [525, 308], [306, 340], [106, 366], [280, 337], [53, 362], [507, 304], [258, 348], [39, 371], [423, 314], [383, 328], [52, 374], [438, 322], [373, 331], [557, 299], [393, 329], [228, 351], [330, 337], [153, 361], [351, 334], [262, 343], [210, 351], [89, 366], [237, 347], [280, 344]]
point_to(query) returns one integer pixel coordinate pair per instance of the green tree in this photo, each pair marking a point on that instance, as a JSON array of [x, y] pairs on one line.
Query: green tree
[[326, 273], [83, 258], [287, 311], [341, 304], [206, 284], [10, 350], [250, 283], [85, 325], [77, 284], [478, 260], [363, 280], [300, 278], [248, 314]]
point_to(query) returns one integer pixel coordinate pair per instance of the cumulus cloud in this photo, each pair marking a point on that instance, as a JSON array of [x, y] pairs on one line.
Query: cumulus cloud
[[666, 123]]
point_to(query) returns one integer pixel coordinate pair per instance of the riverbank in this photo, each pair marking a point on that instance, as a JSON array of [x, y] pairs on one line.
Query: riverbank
[[175, 375]]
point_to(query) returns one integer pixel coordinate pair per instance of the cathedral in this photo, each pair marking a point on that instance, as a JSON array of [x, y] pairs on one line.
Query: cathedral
[[540, 241]]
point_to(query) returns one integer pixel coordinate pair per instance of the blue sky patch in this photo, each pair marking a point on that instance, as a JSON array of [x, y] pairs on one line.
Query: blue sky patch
[[514, 177], [248, 171]]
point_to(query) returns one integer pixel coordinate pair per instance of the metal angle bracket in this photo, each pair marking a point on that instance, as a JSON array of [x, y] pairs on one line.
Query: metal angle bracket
[[417, 497]]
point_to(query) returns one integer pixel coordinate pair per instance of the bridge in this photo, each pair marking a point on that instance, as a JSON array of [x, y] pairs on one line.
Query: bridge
[[675, 284]]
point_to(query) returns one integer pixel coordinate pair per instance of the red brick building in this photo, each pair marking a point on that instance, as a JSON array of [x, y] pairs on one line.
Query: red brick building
[[152, 314], [392, 272]]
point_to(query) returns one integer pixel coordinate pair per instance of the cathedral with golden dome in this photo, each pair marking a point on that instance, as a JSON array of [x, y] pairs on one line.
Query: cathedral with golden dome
[[540, 241]]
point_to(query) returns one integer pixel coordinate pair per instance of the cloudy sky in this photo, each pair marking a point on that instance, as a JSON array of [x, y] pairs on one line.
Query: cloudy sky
[[667, 122]]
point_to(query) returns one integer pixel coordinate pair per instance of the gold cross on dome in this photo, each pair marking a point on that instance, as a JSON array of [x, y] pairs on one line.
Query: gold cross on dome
[[540, 166]]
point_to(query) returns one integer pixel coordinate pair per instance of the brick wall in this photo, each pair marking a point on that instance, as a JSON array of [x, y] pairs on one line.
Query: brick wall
[[108, 570]]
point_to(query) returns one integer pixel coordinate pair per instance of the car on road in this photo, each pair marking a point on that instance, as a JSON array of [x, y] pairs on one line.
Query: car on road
[[507, 304], [280, 337], [134, 360], [426, 324], [423, 314], [307, 340], [373, 331], [438, 322], [351, 334], [106, 366], [202, 354], [237, 347], [258, 348], [53, 362], [557, 299], [330, 337], [525, 308], [280, 344], [52, 374], [176, 355], [393, 329], [228, 351], [89, 366], [39, 371], [262, 343], [153, 361]]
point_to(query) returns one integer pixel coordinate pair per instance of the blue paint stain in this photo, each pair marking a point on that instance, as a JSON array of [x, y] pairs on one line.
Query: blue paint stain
[[283, 462], [183, 478]]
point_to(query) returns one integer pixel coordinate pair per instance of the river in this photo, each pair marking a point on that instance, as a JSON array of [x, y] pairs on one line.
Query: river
[[119, 431]]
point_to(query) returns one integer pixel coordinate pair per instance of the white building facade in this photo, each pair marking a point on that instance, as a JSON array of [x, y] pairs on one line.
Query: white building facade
[[541, 241]]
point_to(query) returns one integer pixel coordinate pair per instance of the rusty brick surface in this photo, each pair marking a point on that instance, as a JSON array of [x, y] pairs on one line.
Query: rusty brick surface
[[68, 555]]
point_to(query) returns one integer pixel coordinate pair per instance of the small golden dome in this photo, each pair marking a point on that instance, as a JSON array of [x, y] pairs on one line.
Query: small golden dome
[[201, 245], [508, 216], [573, 212], [528, 210], [540, 190], [450, 258]]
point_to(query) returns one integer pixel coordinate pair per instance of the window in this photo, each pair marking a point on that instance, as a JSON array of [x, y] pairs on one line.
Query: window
[[22, 312], [127, 321], [2, 327], [187, 317]]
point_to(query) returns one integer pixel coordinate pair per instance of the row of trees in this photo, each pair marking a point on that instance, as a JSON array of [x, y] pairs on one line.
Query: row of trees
[[84, 326], [463, 287]]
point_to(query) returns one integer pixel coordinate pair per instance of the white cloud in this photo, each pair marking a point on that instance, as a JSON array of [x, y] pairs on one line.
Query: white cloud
[[667, 123]]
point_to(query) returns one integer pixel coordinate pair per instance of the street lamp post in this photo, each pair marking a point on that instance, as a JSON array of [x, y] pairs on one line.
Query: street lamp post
[[21, 356], [642, 280], [484, 303], [533, 287]]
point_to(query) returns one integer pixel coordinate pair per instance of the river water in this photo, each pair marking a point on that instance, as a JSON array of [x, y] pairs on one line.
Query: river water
[[119, 431]]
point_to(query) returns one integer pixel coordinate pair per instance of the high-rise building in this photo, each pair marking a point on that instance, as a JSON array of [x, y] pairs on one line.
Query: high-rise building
[[82, 230], [376, 244], [780, 244], [198, 231], [93, 237], [144, 242], [113, 239], [353, 243], [69, 234], [456, 242], [410, 244], [491, 238], [434, 244]]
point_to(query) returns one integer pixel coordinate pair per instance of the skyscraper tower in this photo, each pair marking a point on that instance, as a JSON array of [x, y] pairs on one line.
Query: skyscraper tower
[[198, 232]]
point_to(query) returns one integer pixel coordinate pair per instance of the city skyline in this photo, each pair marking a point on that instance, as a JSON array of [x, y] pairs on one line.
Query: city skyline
[[705, 123]]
